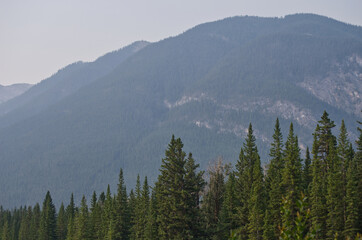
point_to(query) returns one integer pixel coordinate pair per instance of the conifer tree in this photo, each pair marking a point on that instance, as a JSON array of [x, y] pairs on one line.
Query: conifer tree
[[335, 196], [229, 212], [292, 174], [169, 192], [35, 222], [352, 201], [47, 228], [70, 211], [345, 154], [307, 174], [137, 228], [108, 223], [273, 185], [102, 199], [323, 142], [145, 205], [131, 209], [194, 184], [120, 211], [24, 231], [343, 148], [173, 199], [244, 179], [318, 195], [256, 204], [61, 223], [151, 225], [95, 220], [81, 221]]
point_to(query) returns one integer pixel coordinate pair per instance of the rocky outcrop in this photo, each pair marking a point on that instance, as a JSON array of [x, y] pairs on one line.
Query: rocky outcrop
[[341, 87]]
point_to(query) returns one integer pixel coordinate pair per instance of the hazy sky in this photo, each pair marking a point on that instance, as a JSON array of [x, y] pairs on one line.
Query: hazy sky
[[38, 37]]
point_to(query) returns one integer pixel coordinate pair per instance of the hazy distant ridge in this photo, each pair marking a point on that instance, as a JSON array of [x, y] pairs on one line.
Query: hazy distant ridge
[[11, 91]]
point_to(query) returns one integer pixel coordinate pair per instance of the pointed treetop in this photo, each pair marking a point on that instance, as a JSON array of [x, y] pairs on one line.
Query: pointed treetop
[[326, 121], [277, 144]]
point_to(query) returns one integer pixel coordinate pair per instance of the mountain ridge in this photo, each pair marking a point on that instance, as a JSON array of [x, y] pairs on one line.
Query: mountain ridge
[[63, 83], [205, 85], [9, 92]]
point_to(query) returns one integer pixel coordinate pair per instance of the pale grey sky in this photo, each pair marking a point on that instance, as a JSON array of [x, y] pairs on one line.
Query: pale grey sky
[[38, 37]]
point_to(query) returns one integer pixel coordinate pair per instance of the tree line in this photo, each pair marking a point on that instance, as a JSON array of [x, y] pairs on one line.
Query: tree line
[[315, 197]]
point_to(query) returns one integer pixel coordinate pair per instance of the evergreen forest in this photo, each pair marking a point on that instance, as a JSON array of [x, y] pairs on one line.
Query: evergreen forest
[[316, 195]]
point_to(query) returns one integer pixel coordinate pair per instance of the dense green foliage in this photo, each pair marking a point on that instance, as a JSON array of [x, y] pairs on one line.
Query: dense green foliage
[[286, 201]]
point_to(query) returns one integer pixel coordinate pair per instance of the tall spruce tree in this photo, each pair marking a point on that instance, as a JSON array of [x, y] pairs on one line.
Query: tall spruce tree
[[35, 222], [229, 209], [47, 228], [351, 227], [292, 174], [244, 178], [151, 225], [345, 154], [343, 148], [82, 222], [70, 210], [256, 203], [132, 209], [273, 186], [242, 184], [120, 211], [307, 174], [108, 221], [335, 196], [62, 223], [137, 227], [325, 140], [173, 196], [145, 207], [95, 220], [194, 184], [322, 144], [24, 231]]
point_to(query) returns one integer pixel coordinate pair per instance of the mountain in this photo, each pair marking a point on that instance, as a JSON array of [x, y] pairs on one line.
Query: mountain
[[62, 84], [204, 85], [11, 91]]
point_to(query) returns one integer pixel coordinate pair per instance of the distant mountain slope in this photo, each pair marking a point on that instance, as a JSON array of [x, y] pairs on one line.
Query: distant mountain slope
[[62, 84], [204, 86], [11, 91]]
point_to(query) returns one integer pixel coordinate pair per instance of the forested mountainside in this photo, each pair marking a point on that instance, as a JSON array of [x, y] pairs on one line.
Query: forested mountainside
[[316, 197], [11, 91], [62, 84], [205, 85]]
